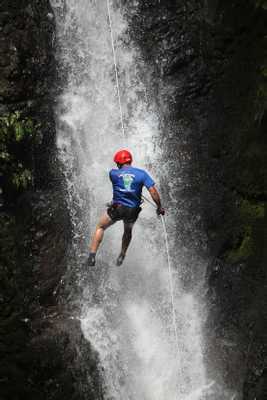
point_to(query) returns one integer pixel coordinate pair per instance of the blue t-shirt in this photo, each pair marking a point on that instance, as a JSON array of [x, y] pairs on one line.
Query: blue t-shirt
[[128, 183]]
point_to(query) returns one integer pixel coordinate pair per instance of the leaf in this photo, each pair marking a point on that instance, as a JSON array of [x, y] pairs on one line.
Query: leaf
[[4, 155], [19, 131], [22, 179]]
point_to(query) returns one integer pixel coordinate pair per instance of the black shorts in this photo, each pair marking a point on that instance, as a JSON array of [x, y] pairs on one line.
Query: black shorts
[[119, 212]]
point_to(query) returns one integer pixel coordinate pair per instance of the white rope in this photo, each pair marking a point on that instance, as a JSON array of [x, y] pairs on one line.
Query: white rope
[[170, 272], [170, 281], [116, 69]]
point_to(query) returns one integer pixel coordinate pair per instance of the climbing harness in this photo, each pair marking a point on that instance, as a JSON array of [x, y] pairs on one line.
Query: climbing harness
[[143, 197]]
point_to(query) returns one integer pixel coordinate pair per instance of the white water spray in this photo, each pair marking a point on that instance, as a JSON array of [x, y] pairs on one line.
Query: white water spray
[[127, 314], [162, 217]]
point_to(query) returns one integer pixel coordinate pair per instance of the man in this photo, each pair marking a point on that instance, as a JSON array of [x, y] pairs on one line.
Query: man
[[127, 184]]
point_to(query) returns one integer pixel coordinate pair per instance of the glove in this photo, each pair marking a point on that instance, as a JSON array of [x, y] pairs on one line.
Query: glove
[[160, 211]]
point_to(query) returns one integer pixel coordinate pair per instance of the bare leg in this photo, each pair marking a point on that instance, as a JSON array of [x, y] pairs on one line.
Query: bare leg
[[104, 222], [126, 238]]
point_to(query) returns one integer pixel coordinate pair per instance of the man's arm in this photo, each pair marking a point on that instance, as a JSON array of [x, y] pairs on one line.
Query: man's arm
[[156, 197]]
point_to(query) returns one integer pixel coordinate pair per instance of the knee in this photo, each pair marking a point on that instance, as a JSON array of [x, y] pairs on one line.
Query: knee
[[100, 227]]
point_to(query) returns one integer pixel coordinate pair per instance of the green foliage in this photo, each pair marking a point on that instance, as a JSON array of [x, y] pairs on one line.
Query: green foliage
[[262, 4], [244, 242], [14, 127], [18, 135], [244, 249], [22, 178], [251, 211], [264, 71]]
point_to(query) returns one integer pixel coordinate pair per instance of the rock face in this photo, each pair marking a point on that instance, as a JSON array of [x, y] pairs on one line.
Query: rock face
[[25, 68], [209, 79], [39, 340]]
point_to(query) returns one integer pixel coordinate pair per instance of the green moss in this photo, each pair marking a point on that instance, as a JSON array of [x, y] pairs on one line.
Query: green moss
[[262, 88], [244, 241], [252, 210], [244, 250], [262, 4], [22, 179], [264, 71]]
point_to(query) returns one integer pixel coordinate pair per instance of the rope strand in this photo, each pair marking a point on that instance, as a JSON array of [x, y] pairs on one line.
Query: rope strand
[[115, 69], [169, 270], [170, 281]]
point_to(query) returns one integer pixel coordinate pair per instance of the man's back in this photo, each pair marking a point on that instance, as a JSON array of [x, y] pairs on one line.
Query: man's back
[[127, 184]]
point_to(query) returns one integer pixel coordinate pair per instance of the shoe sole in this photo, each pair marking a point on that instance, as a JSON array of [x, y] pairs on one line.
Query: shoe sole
[[119, 263]]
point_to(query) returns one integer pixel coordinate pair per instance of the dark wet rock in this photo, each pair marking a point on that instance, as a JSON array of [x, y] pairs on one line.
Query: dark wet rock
[[43, 352], [206, 64], [39, 334], [27, 34]]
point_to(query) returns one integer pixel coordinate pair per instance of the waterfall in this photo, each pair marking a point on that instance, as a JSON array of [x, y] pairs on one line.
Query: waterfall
[[125, 312]]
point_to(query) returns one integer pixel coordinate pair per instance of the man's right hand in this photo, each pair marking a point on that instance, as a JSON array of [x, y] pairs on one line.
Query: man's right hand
[[160, 211], [155, 196]]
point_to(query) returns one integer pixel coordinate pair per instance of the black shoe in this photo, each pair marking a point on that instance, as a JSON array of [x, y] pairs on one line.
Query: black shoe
[[91, 260], [120, 260]]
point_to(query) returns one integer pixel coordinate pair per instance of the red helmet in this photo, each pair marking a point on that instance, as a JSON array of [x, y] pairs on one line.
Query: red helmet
[[123, 157]]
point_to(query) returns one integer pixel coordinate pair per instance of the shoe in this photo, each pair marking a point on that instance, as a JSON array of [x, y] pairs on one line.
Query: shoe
[[120, 260], [91, 260]]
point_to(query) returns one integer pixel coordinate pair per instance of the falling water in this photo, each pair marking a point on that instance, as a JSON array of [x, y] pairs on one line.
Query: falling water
[[126, 313]]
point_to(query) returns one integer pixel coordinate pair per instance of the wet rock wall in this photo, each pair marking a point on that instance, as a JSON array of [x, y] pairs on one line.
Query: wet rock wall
[[39, 338], [208, 77]]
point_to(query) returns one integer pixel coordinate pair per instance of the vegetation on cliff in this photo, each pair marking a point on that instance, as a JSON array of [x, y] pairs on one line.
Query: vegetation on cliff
[[18, 136]]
